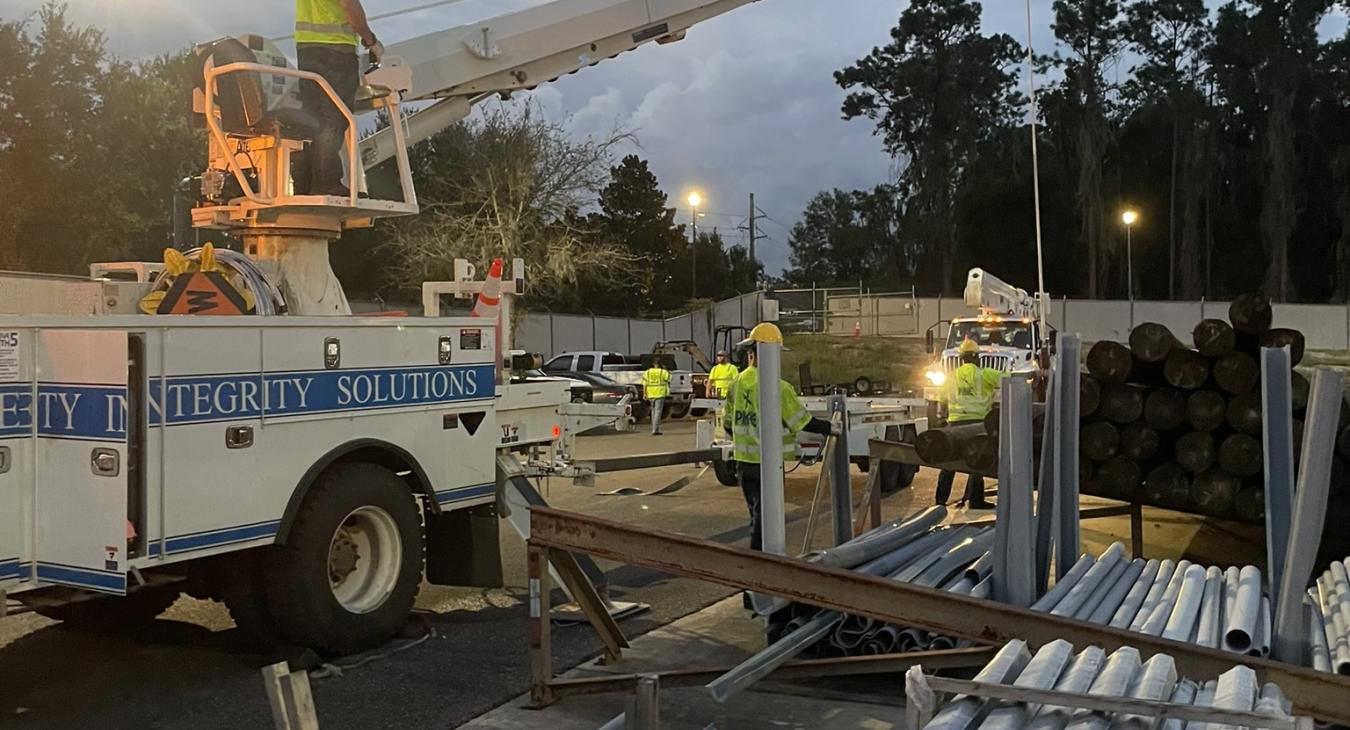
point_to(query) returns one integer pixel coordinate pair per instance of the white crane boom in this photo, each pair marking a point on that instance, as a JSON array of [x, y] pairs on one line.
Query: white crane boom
[[994, 296], [519, 51]]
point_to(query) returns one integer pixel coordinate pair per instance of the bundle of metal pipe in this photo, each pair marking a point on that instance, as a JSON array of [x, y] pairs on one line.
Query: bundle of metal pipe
[[1180, 427], [1328, 613], [1093, 672]]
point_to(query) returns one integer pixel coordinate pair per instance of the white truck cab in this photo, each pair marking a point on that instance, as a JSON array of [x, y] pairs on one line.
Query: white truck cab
[[1007, 331]]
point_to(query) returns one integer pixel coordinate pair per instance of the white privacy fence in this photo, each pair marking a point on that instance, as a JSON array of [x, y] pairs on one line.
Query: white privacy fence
[[552, 334], [1326, 326]]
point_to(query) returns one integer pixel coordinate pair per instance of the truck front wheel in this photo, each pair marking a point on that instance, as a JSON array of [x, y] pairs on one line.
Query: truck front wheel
[[347, 576]]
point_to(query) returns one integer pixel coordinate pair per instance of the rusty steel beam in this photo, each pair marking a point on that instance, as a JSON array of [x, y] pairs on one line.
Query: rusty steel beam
[[1319, 694], [837, 667]]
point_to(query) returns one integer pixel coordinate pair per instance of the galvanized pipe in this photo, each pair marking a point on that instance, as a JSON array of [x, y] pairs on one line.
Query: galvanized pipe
[[1042, 672], [841, 488], [1045, 490], [1157, 621], [1014, 540], [961, 711], [1134, 599], [1105, 586], [1167, 571], [927, 560], [1236, 689], [1262, 639], [1321, 655], [1068, 542], [955, 560], [1278, 438], [1065, 583], [881, 541], [1083, 588], [1204, 698], [1183, 694], [1116, 678], [1209, 631], [1115, 597], [1240, 625], [1155, 682], [1336, 628], [1325, 400], [773, 515], [1078, 679], [1185, 609], [982, 568]]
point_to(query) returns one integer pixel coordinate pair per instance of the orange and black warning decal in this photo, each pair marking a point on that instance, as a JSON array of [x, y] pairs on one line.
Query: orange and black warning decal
[[203, 293]]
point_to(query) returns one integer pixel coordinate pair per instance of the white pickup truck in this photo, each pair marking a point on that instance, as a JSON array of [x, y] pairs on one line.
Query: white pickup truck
[[627, 370]]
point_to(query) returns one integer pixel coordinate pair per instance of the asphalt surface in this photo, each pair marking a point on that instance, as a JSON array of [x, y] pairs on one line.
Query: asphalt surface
[[194, 669]]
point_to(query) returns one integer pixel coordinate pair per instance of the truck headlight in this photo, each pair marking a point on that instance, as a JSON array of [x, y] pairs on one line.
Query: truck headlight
[[936, 378]]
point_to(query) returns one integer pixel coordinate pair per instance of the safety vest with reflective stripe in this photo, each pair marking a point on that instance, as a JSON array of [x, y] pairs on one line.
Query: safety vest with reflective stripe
[[721, 378], [742, 412], [656, 383], [970, 392], [323, 21]]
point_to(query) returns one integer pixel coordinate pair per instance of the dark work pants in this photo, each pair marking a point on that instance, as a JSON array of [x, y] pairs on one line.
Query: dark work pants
[[974, 484], [319, 169], [974, 488], [749, 474]]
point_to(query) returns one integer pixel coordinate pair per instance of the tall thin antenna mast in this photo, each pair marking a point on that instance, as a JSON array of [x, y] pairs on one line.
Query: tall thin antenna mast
[[1041, 296]]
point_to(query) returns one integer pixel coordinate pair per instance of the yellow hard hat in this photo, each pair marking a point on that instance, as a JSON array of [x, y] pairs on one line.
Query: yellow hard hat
[[968, 347]]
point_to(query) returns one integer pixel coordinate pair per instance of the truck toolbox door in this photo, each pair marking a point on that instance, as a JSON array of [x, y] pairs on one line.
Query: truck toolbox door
[[81, 462], [16, 452]]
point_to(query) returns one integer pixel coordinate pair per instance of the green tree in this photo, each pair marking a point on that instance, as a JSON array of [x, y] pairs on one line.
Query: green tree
[[634, 217], [1090, 31], [1169, 36], [937, 90]]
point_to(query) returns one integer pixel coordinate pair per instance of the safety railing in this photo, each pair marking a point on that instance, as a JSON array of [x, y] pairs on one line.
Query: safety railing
[[350, 142]]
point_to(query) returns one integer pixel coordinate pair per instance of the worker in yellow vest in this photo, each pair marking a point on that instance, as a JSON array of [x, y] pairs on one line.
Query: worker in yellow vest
[[656, 389], [721, 375], [969, 394], [326, 36], [740, 419]]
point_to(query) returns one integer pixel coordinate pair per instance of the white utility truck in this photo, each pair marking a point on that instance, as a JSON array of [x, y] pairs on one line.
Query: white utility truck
[[1007, 330], [297, 467]]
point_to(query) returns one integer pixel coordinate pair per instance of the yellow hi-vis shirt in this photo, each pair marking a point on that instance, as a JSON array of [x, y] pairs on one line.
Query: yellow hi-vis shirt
[[970, 393], [323, 21], [742, 411], [721, 378], [656, 383]]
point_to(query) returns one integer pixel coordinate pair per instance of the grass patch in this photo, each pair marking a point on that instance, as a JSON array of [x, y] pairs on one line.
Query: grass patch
[[843, 359]]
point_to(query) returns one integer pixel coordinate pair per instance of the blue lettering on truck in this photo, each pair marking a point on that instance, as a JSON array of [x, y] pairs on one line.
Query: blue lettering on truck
[[97, 412]]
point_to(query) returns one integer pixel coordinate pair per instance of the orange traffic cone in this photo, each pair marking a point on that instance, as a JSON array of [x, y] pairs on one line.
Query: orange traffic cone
[[490, 298]]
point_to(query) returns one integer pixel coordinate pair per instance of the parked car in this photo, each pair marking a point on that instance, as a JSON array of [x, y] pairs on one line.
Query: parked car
[[590, 387], [626, 371]]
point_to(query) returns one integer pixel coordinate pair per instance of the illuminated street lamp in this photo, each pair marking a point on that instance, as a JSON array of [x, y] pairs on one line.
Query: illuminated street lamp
[[695, 200], [1129, 218]]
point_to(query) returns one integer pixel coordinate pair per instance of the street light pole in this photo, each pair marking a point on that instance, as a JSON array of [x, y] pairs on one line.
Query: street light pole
[[1129, 218], [694, 200]]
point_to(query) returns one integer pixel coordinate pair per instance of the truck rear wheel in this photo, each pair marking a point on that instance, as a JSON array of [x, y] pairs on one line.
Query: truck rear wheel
[[351, 567]]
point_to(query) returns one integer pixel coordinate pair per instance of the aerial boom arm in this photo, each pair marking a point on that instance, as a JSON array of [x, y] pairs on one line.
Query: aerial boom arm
[[995, 296], [519, 51]]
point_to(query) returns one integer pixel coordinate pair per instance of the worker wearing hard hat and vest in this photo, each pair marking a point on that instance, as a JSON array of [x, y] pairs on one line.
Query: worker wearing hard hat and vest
[[721, 376], [969, 394], [326, 36], [740, 418], [656, 388]]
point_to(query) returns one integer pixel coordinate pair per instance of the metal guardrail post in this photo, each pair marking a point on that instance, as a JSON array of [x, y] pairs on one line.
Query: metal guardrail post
[[841, 488], [1046, 490], [1068, 544], [1278, 436], [1290, 643], [1014, 551]]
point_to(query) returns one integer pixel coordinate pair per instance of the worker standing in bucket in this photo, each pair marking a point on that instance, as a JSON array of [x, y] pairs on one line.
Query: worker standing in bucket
[[721, 376], [656, 389], [327, 33], [740, 419], [970, 396]]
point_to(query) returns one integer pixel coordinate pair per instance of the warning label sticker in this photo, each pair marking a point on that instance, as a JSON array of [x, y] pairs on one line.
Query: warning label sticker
[[9, 357]]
